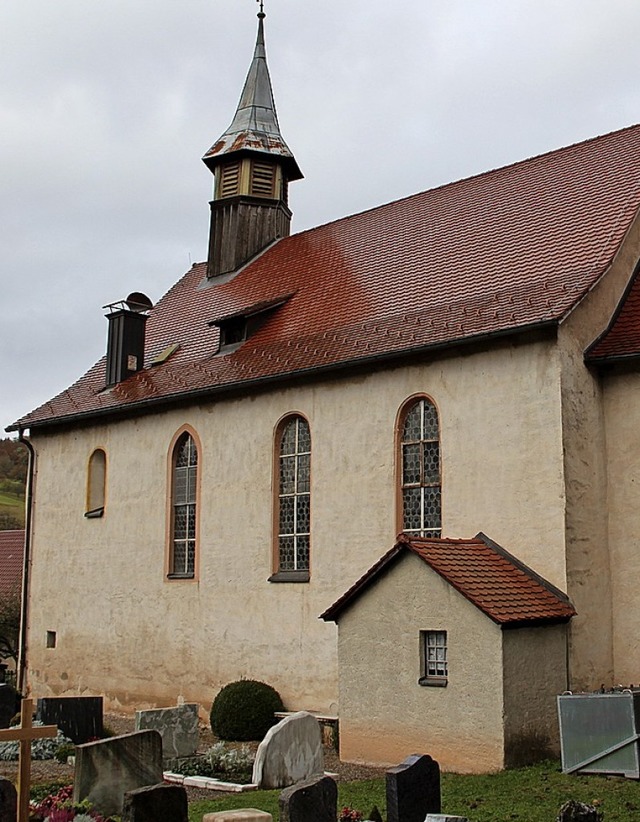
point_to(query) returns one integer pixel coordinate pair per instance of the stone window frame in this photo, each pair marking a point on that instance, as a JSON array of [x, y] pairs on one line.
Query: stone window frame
[[95, 501], [427, 528], [302, 573], [434, 663], [190, 572]]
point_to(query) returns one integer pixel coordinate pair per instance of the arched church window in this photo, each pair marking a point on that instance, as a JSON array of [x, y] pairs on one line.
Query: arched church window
[[293, 502], [419, 459], [184, 486], [96, 484]]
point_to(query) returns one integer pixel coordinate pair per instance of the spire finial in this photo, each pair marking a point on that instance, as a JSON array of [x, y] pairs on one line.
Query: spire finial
[[261, 14]]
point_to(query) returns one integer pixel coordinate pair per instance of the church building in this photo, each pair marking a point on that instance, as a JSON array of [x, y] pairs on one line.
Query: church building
[[389, 465]]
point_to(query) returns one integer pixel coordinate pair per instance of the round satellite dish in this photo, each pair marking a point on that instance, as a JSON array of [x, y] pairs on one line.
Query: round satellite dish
[[137, 301]]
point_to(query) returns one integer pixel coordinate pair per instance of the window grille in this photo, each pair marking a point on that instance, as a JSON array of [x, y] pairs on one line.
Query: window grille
[[420, 457], [262, 179], [185, 477], [96, 484], [294, 496], [433, 658]]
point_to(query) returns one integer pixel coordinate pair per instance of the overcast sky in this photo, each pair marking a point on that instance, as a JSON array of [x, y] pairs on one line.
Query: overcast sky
[[107, 108]]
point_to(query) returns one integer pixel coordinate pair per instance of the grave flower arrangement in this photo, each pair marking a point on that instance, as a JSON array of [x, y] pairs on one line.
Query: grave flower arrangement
[[60, 807], [220, 762], [348, 814]]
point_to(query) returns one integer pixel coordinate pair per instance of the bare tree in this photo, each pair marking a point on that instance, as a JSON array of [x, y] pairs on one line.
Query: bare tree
[[10, 624]]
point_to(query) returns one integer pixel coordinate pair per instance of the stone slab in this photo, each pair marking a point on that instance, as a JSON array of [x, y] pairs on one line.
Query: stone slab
[[439, 817], [154, 803], [413, 789], [211, 784], [178, 778], [78, 717], [240, 815], [8, 801], [108, 769], [178, 727], [314, 800], [290, 752]]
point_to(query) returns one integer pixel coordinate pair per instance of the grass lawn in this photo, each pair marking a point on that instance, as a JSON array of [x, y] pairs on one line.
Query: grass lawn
[[527, 794], [12, 505]]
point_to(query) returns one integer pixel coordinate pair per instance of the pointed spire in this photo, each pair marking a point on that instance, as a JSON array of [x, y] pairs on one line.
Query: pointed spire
[[255, 125]]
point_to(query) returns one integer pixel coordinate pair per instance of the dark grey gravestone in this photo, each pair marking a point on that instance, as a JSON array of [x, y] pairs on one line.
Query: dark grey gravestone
[[413, 789], [573, 811], [78, 717], [8, 801], [157, 802], [312, 800], [8, 704], [108, 769]]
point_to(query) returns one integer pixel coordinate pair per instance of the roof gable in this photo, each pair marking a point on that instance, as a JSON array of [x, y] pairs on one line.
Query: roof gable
[[506, 251], [621, 340], [507, 591]]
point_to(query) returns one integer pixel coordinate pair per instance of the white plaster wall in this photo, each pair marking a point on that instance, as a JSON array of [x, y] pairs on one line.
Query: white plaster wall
[[535, 672], [589, 557], [124, 631], [622, 414], [385, 715]]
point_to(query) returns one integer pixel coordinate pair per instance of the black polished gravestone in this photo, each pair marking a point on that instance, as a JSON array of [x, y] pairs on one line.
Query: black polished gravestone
[[413, 789], [78, 717], [312, 800], [156, 802], [8, 801]]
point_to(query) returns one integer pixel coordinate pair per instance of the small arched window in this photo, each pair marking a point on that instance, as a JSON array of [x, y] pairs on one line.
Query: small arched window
[[293, 504], [184, 484], [96, 484], [420, 469]]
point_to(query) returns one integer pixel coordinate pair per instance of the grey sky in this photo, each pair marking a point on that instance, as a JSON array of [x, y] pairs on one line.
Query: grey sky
[[106, 109]]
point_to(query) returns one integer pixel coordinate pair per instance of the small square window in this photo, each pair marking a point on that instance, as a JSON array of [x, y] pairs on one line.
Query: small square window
[[51, 639], [434, 668]]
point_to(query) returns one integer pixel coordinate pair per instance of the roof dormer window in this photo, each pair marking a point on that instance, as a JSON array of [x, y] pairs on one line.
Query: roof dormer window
[[237, 327]]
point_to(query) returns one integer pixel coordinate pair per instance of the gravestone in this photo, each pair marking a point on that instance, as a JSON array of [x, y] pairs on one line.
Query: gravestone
[[8, 801], [9, 702], [573, 811], [241, 815], [442, 817], [314, 800], [78, 717], [413, 789], [108, 769], [177, 726], [290, 752], [154, 803]]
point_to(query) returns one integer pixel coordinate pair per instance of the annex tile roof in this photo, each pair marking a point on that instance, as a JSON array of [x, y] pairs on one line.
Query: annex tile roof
[[621, 340], [506, 251], [505, 589], [11, 558]]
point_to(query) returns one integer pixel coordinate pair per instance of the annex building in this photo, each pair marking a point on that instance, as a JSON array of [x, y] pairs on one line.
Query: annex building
[[460, 368]]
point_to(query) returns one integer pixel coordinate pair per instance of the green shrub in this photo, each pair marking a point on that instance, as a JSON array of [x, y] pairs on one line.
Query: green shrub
[[64, 752], [244, 710]]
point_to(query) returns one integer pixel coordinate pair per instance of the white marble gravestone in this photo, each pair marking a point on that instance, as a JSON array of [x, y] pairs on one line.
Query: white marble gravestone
[[290, 752]]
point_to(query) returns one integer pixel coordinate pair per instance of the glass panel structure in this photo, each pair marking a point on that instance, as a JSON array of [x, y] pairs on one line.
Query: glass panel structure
[[420, 474], [435, 654], [294, 496], [185, 476]]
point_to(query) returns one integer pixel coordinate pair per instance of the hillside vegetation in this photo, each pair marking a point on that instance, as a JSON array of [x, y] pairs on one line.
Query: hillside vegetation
[[13, 476]]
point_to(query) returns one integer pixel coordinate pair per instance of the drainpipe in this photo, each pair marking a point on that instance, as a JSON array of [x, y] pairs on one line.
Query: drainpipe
[[22, 645]]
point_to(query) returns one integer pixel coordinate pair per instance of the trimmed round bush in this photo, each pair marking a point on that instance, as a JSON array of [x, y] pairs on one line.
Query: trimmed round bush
[[244, 710]]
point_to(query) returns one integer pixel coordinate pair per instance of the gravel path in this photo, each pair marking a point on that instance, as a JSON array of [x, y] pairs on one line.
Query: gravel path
[[52, 770]]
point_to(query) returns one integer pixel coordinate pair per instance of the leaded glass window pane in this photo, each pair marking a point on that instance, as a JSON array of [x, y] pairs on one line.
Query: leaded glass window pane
[[184, 490], [421, 482], [294, 500]]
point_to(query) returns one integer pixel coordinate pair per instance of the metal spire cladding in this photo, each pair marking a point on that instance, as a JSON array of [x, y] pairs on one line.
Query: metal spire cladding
[[255, 126]]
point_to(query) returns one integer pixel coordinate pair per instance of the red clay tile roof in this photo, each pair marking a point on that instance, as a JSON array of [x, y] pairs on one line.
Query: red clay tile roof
[[621, 340], [505, 251], [497, 583], [11, 557]]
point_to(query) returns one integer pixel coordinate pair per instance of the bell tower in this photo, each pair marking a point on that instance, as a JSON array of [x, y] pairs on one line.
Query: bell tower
[[252, 166]]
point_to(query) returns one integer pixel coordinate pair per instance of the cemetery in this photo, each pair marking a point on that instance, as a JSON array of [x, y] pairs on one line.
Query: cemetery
[[126, 769]]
